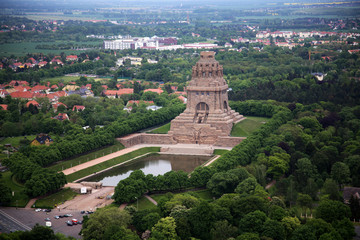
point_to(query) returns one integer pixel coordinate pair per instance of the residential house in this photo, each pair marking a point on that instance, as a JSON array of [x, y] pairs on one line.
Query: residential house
[[71, 58], [61, 117], [42, 64], [3, 93], [34, 103], [78, 108], [114, 93], [25, 95], [58, 104], [71, 87], [3, 107], [18, 83], [42, 139], [155, 90], [350, 191], [40, 88]]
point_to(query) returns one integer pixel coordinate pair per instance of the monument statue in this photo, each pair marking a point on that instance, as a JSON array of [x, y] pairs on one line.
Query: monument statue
[[207, 115]]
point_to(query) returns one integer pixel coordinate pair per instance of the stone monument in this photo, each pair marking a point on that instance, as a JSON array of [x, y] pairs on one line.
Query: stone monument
[[208, 115], [207, 119]]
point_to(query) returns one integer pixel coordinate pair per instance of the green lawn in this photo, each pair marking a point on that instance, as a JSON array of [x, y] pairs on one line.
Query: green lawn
[[55, 199], [20, 199], [161, 130], [87, 157], [55, 80], [247, 126], [143, 203], [15, 141], [110, 163]]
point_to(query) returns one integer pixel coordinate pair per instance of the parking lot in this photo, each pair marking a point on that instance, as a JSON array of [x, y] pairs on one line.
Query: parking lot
[[20, 218]]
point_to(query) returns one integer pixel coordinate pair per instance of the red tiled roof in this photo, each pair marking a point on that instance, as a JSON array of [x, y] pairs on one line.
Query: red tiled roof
[[54, 86], [78, 107], [119, 92], [33, 102], [62, 116], [38, 88], [104, 87], [155, 90], [26, 95], [56, 105], [4, 106], [13, 82], [71, 57]]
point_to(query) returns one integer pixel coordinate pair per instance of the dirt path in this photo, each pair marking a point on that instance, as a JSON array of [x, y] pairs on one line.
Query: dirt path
[[100, 159], [270, 184]]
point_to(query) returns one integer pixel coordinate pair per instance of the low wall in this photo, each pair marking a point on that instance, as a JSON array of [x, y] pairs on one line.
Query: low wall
[[141, 138], [228, 141], [167, 139]]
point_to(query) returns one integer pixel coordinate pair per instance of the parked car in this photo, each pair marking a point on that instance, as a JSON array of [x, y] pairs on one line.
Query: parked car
[[47, 219], [69, 223], [82, 212], [57, 217], [74, 221], [61, 216], [38, 210], [47, 210]]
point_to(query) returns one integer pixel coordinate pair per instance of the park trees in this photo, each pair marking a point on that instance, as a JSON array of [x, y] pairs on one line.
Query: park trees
[[102, 222]]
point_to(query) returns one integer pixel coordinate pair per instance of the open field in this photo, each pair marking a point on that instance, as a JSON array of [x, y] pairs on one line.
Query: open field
[[247, 126], [104, 165], [15, 141], [21, 49], [20, 199], [161, 130], [55, 199], [87, 157]]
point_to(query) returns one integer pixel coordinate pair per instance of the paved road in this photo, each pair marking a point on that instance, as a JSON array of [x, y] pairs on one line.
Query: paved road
[[25, 219], [9, 223]]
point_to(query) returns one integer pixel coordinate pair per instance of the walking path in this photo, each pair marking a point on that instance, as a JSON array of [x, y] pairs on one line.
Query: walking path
[[150, 199], [31, 202], [100, 160]]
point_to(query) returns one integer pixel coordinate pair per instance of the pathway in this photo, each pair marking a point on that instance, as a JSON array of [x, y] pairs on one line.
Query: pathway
[[150, 199], [270, 184], [211, 161], [31, 202], [100, 160]]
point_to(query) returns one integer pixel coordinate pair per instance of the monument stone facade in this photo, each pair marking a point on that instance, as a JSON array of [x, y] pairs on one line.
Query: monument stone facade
[[207, 119], [207, 115]]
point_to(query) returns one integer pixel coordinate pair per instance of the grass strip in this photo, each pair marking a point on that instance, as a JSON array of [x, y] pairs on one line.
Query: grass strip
[[55, 199], [87, 157], [247, 126], [101, 166], [162, 130], [220, 151], [142, 204], [20, 199]]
